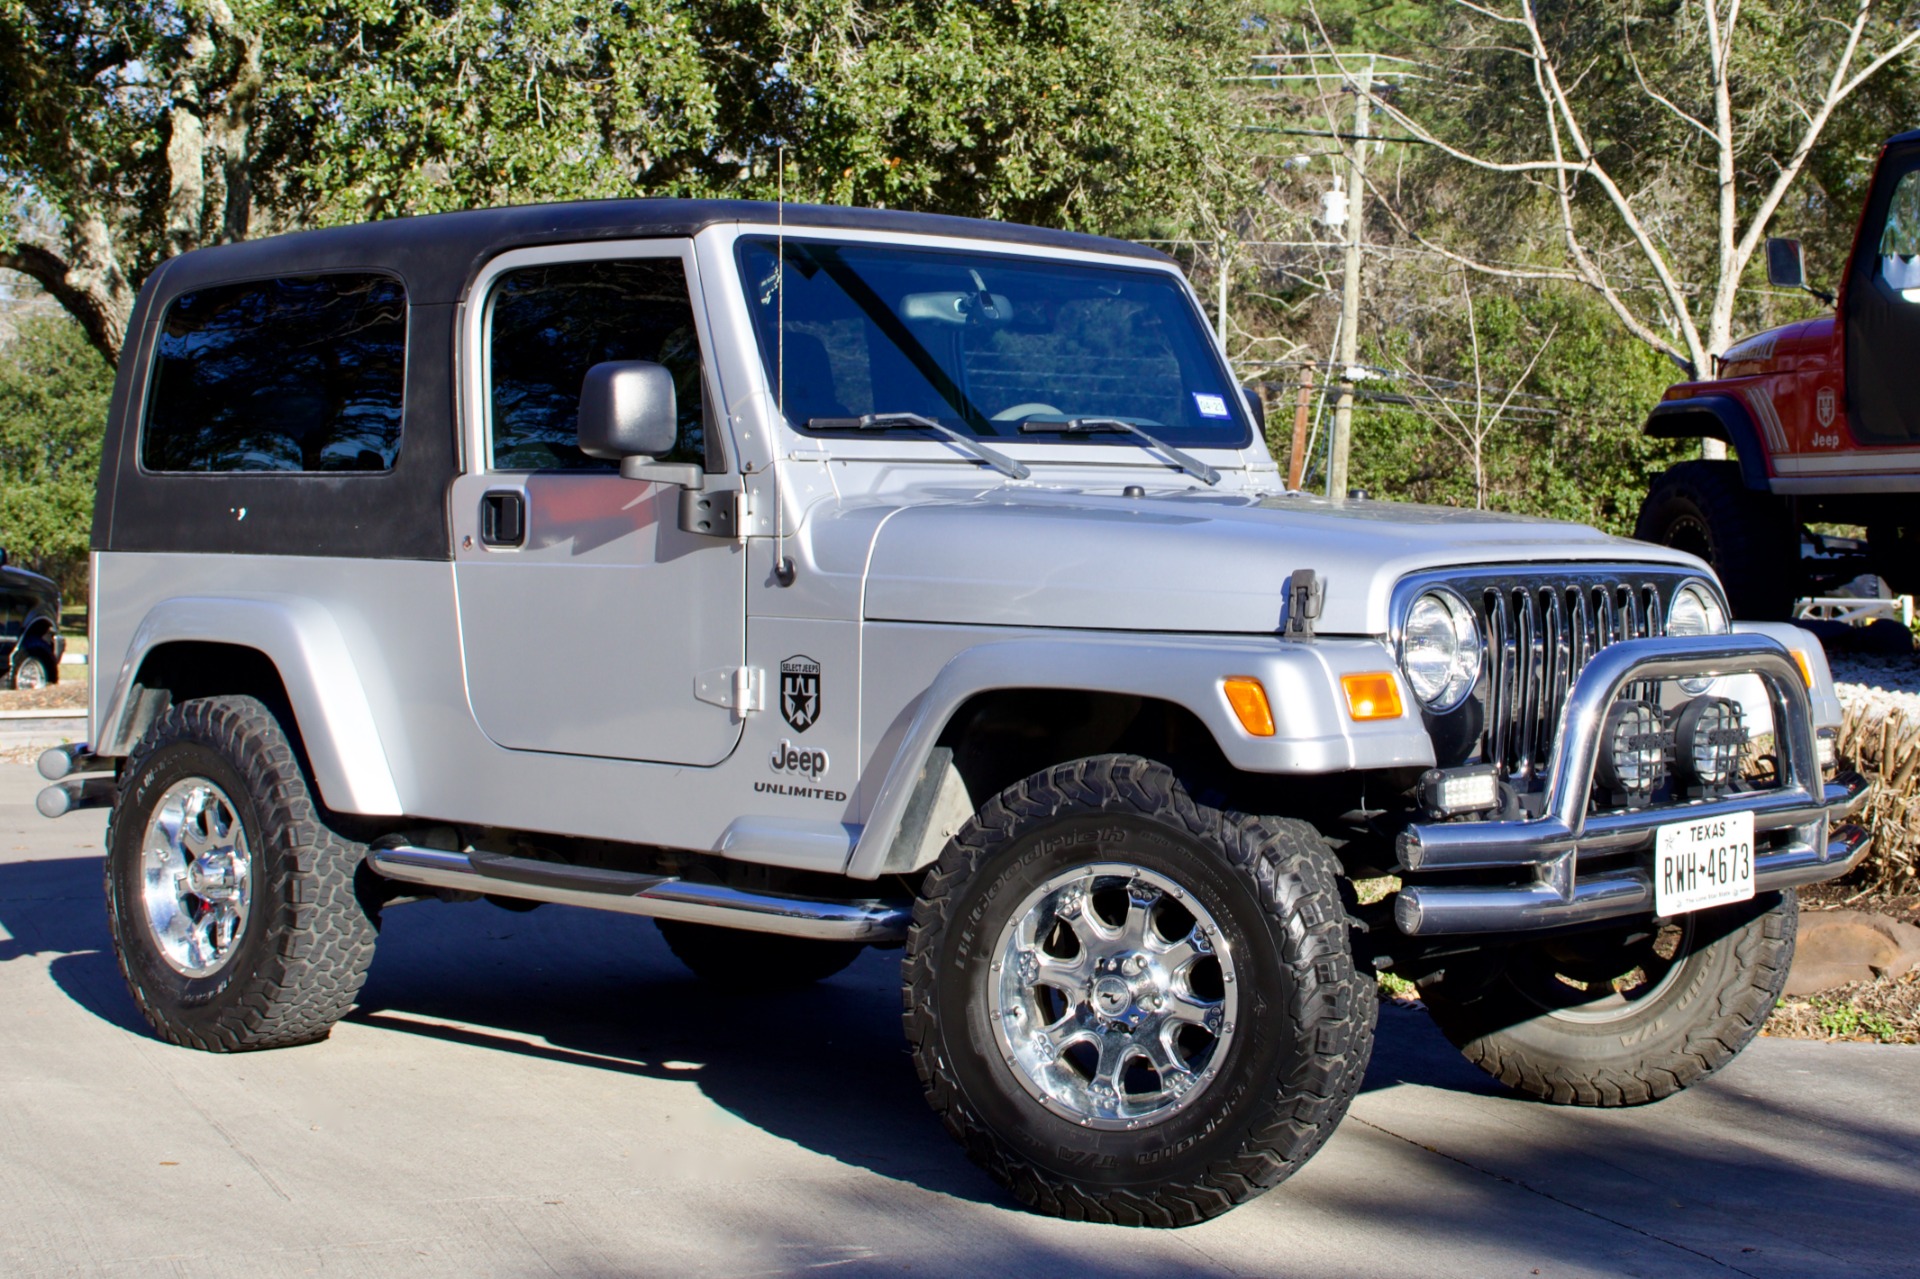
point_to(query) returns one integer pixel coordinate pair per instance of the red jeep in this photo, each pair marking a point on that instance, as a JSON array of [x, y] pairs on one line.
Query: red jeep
[[1822, 417]]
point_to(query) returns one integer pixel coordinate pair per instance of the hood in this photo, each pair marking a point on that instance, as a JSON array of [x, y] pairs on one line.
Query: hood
[[1196, 562], [1776, 350]]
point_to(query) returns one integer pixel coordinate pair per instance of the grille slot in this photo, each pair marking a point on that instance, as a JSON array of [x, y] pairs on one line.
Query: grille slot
[[1540, 636]]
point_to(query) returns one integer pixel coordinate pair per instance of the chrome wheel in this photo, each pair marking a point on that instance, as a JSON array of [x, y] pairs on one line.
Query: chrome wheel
[[30, 675], [1112, 996], [194, 873]]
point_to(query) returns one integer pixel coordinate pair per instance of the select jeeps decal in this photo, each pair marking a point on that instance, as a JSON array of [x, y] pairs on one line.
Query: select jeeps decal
[[793, 762], [800, 692]]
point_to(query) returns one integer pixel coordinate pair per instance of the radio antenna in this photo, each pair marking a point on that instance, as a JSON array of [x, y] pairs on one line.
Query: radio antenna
[[783, 571]]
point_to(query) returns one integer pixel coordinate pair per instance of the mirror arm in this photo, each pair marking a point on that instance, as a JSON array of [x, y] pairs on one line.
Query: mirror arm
[[1822, 294], [684, 474]]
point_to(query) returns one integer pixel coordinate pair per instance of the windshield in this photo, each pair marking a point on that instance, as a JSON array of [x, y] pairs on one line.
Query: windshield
[[982, 343]]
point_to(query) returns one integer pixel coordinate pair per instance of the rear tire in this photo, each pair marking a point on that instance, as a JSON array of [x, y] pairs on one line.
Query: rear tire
[[748, 961], [32, 672], [1518, 1013], [1096, 1055], [231, 903], [1894, 550], [1705, 509]]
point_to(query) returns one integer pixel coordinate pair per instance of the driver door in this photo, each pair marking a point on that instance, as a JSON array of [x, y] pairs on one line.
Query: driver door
[[587, 615], [1883, 308]]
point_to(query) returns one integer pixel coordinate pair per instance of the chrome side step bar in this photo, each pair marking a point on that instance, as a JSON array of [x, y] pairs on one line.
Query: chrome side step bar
[[660, 896]]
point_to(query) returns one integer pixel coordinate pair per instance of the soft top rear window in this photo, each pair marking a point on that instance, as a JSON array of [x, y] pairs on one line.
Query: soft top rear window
[[299, 373]]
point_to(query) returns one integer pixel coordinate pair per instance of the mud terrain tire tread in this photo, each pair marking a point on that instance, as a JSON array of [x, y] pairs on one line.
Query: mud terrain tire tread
[[1750, 542], [320, 936], [1761, 950], [1295, 878]]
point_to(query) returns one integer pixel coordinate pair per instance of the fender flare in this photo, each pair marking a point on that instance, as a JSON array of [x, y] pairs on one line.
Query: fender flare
[[1315, 735], [306, 647], [1715, 417]]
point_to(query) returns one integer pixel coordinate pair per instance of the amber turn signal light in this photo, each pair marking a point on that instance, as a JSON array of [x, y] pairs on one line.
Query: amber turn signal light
[[1248, 697], [1806, 671], [1373, 695]]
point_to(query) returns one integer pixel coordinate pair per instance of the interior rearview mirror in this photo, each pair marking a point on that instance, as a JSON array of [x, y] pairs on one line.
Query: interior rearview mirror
[[1786, 266]]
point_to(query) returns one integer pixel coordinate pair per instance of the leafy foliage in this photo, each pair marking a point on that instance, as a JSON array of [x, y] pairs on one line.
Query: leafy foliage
[[53, 407]]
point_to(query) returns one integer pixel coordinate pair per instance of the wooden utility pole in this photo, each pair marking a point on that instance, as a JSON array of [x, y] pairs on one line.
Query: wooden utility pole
[[1350, 290], [1302, 411]]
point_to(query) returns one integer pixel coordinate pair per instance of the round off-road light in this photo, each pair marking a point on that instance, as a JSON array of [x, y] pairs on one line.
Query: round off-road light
[[1440, 649], [1633, 751], [1708, 738]]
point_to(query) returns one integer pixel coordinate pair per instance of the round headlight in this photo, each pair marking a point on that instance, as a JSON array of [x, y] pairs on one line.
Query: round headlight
[[1440, 649], [1696, 612]]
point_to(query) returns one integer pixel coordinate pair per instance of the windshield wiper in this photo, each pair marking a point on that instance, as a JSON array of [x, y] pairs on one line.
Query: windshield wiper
[[1121, 426], [901, 421]]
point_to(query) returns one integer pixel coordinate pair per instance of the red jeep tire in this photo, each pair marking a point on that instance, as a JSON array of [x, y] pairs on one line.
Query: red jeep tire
[[1704, 508]]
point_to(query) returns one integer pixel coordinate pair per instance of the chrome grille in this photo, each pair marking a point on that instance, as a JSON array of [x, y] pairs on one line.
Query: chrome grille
[[1540, 636], [1542, 627]]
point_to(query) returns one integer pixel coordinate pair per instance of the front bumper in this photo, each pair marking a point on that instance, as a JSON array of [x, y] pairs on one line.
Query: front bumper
[[1801, 825]]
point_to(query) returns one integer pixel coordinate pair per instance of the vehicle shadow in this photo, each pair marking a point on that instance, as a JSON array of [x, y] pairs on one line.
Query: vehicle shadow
[[826, 1068]]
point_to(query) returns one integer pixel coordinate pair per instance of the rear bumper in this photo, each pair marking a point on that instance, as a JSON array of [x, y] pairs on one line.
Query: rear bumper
[[1801, 827]]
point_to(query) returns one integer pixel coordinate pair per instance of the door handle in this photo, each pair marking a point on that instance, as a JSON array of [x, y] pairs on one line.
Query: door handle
[[503, 518]]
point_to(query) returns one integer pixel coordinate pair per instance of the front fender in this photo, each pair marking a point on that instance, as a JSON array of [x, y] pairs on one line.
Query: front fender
[[1716, 417], [1314, 732], [305, 645]]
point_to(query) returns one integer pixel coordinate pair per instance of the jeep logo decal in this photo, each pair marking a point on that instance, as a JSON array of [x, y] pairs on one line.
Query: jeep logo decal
[[1823, 406], [800, 692], [811, 765]]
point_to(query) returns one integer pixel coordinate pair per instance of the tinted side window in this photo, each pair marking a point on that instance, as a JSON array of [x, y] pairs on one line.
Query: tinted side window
[[303, 373], [552, 323]]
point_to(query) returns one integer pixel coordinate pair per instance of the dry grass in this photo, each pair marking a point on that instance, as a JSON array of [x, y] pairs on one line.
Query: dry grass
[[1877, 739]]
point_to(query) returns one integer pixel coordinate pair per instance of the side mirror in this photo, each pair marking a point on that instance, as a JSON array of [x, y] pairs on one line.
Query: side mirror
[[627, 410], [1786, 264], [1256, 406]]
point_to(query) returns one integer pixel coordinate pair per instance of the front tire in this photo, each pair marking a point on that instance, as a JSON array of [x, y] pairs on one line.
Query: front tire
[[1705, 509], [1621, 1017], [231, 903], [1131, 1007]]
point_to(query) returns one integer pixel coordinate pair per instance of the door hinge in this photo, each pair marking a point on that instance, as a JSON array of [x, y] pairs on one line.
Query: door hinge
[[742, 689], [713, 512]]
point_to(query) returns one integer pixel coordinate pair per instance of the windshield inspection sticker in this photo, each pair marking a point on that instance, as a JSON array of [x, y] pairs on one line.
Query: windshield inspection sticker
[[1210, 405]]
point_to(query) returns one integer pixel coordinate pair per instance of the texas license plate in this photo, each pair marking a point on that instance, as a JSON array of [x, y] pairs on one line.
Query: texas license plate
[[1703, 863]]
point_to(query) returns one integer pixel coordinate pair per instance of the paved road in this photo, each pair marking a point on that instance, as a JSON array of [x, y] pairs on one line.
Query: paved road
[[547, 1094]]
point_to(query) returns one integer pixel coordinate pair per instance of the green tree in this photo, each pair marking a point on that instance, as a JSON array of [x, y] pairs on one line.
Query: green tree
[[54, 389], [132, 130]]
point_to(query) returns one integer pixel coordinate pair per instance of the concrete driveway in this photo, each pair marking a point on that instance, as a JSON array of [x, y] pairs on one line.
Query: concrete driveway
[[549, 1094]]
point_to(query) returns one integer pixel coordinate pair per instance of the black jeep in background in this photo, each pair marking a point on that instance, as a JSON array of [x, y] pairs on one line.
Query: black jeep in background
[[30, 642]]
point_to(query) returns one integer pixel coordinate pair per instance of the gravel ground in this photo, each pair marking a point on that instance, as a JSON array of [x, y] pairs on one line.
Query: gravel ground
[[1894, 679], [69, 694]]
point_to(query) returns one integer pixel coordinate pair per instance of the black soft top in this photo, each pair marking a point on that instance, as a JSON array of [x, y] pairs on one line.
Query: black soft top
[[439, 254], [402, 513]]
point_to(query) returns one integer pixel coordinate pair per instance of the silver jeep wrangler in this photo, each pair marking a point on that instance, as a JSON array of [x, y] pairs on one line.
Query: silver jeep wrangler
[[810, 579]]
